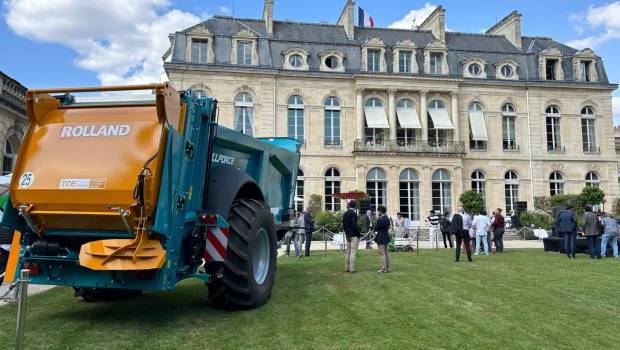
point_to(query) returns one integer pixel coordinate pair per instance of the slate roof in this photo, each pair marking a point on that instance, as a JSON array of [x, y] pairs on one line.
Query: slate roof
[[316, 38]]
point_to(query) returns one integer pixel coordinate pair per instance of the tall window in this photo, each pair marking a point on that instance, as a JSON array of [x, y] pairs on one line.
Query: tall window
[[511, 190], [441, 191], [374, 135], [405, 136], [478, 183], [299, 192], [409, 186], [200, 50], [476, 144], [553, 128], [332, 186], [374, 60], [244, 53], [550, 69], [332, 122], [404, 61], [436, 63], [11, 145], [584, 67], [556, 183], [296, 118], [588, 129], [436, 136], [592, 179], [376, 187], [509, 127], [244, 114]]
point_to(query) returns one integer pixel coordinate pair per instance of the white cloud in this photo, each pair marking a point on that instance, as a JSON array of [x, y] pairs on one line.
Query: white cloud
[[605, 17], [414, 18], [225, 10], [121, 41], [615, 102]]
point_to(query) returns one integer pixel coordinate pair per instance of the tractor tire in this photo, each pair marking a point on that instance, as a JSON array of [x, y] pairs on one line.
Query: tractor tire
[[6, 235], [91, 295], [245, 279]]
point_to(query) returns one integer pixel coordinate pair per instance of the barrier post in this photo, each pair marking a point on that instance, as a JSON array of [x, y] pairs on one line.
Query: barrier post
[[21, 308]]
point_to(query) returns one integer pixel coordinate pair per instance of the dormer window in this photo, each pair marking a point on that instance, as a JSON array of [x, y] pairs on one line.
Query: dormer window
[[435, 58], [244, 53], [550, 64], [199, 45], [403, 57], [200, 50], [404, 61], [584, 66], [373, 56], [331, 61], [296, 59], [550, 69], [507, 71], [374, 60], [436, 63], [474, 69]]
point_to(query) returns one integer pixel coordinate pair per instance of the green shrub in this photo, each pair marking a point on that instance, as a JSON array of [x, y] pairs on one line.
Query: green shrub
[[536, 219], [471, 201], [592, 195], [574, 202], [332, 221], [542, 203], [316, 202]]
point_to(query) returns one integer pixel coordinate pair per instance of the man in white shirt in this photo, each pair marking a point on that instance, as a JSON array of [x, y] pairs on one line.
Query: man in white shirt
[[433, 228], [481, 226]]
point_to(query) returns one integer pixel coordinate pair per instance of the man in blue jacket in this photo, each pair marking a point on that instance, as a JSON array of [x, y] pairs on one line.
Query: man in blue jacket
[[566, 224], [352, 232], [383, 239]]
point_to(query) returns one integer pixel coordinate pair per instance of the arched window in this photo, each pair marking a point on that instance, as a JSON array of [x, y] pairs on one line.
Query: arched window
[[509, 127], [409, 186], [299, 192], [441, 191], [199, 93], [554, 141], [592, 179], [478, 183], [475, 144], [331, 136], [588, 129], [296, 118], [405, 136], [332, 186], [376, 187], [556, 183], [511, 190], [374, 135], [244, 114], [11, 146], [436, 136]]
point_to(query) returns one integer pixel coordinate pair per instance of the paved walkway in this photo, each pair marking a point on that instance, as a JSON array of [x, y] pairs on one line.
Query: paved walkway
[[32, 290]]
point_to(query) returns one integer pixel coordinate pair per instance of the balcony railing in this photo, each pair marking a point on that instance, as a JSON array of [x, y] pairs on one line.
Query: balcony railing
[[430, 147]]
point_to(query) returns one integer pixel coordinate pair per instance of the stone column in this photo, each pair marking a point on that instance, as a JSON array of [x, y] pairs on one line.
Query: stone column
[[360, 177], [426, 202], [455, 116], [360, 113], [392, 113], [393, 191], [424, 115], [457, 186]]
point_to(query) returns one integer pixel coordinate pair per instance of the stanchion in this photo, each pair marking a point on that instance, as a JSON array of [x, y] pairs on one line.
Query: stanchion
[[21, 308], [417, 242]]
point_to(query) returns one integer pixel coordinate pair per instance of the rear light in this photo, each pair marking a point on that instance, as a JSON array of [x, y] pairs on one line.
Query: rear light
[[34, 268], [208, 219]]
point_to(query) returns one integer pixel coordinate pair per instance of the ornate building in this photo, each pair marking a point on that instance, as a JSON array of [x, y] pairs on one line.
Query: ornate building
[[412, 117], [13, 119]]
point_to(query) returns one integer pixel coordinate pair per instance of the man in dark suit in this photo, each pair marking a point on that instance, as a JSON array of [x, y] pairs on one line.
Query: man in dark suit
[[352, 232], [456, 228], [309, 224]]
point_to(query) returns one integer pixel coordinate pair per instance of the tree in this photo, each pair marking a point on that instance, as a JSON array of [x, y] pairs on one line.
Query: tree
[[592, 195], [316, 202], [471, 201]]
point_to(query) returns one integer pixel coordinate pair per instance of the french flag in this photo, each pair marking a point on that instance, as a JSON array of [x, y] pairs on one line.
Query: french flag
[[362, 21]]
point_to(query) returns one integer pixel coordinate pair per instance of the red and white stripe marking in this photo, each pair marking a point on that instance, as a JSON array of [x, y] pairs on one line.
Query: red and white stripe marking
[[217, 241]]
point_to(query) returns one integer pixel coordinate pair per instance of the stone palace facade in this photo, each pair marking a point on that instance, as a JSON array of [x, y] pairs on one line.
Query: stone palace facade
[[412, 117], [13, 119]]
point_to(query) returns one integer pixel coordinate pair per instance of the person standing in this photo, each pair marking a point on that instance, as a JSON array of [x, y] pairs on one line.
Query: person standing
[[399, 226], [368, 224], [566, 225], [289, 237], [590, 230], [610, 234], [481, 226], [352, 233], [444, 226], [309, 226], [383, 239], [467, 221], [433, 227], [498, 230], [460, 234], [300, 235]]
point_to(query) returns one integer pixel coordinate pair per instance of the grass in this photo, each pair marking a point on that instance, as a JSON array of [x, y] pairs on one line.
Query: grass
[[523, 299]]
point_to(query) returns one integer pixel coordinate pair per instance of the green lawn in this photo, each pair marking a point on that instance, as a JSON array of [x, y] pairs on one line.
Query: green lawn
[[523, 299]]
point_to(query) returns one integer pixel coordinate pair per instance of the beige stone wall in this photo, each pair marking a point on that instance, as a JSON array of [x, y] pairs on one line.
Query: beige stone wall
[[494, 162]]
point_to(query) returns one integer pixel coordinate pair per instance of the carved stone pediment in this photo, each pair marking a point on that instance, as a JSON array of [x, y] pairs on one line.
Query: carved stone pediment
[[405, 44], [552, 51], [586, 53], [244, 33], [436, 45], [374, 42], [200, 29], [556, 166]]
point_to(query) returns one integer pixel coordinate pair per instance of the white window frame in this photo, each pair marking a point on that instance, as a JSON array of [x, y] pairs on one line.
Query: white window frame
[[438, 136], [374, 185], [299, 191], [374, 135], [374, 60], [296, 106], [511, 186], [592, 179], [553, 120], [331, 113], [410, 180], [404, 61], [444, 184], [556, 184], [509, 132], [333, 183], [476, 144], [244, 109], [405, 136], [478, 183], [588, 129]]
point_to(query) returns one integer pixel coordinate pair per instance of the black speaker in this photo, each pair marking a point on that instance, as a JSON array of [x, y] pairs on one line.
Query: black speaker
[[521, 206]]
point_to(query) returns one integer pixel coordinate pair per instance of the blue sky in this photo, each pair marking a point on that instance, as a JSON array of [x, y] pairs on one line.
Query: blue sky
[[77, 42]]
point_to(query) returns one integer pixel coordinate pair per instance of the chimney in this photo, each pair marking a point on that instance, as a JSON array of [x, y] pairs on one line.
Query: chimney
[[436, 23], [510, 27], [268, 16], [346, 19]]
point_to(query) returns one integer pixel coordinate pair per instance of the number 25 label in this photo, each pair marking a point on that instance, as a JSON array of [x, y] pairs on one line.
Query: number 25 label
[[26, 180]]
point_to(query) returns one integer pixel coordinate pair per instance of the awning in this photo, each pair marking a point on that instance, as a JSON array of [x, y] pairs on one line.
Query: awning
[[408, 118], [477, 126], [440, 118], [376, 118]]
